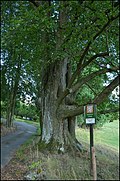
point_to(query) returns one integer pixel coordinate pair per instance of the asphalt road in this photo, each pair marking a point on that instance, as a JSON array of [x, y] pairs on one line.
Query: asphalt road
[[11, 142]]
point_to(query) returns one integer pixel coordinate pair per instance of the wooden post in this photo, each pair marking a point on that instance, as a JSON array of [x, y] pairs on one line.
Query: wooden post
[[94, 164], [91, 145]]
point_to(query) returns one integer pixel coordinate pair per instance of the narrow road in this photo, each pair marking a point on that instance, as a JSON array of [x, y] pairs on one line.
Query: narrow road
[[11, 142]]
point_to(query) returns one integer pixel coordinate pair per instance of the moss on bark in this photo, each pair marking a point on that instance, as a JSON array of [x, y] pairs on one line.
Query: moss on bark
[[52, 146]]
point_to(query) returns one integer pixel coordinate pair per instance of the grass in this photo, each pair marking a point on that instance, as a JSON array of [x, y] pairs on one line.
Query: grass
[[67, 167], [107, 136]]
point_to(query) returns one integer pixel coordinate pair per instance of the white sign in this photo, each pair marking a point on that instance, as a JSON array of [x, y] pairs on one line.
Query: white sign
[[90, 120]]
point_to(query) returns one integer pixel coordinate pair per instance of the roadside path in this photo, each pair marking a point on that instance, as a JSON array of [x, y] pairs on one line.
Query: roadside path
[[11, 142]]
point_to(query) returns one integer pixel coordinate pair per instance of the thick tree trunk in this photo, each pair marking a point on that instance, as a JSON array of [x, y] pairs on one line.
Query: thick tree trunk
[[58, 133], [52, 130]]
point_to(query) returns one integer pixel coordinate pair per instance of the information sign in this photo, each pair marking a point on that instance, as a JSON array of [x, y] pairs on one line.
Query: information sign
[[90, 120], [90, 113]]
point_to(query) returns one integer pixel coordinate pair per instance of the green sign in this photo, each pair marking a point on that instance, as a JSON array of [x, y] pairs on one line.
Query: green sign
[[90, 113]]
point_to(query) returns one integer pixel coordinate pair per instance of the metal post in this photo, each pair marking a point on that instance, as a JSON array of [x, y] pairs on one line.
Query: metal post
[[91, 145]]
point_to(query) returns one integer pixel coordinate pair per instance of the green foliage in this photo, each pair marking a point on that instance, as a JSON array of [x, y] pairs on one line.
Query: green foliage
[[84, 95], [37, 21], [102, 119], [27, 111]]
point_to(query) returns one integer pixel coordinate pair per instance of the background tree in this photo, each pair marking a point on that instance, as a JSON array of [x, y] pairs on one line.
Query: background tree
[[15, 64]]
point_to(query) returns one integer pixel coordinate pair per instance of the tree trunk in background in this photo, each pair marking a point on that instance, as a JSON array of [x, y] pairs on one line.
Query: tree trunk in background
[[11, 108], [11, 101]]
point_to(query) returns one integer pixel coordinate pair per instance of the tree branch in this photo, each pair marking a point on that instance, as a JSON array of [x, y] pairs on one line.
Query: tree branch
[[90, 77], [65, 111], [91, 88], [35, 3], [82, 81], [79, 65], [78, 70], [103, 54], [107, 91], [104, 27], [69, 111]]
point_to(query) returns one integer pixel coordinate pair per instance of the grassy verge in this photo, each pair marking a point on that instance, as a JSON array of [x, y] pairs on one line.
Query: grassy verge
[[20, 153], [107, 136]]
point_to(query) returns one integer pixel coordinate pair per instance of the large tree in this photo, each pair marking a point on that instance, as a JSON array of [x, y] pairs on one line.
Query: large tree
[[79, 34], [72, 44]]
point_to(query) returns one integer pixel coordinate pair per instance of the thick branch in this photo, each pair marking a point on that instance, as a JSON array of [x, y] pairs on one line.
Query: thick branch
[[83, 81], [69, 111], [90, 77], [107, 91], [65, 111]]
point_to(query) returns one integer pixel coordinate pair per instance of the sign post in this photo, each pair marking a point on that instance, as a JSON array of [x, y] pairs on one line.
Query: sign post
[[90, 118]]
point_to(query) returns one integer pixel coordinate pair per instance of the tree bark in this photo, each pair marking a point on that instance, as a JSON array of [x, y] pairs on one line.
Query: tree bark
[[53, 126], [58, 133], [11, 101], [11, 107]]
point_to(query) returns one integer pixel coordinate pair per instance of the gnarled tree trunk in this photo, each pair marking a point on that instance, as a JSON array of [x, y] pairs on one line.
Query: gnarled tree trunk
[[58, 133]]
